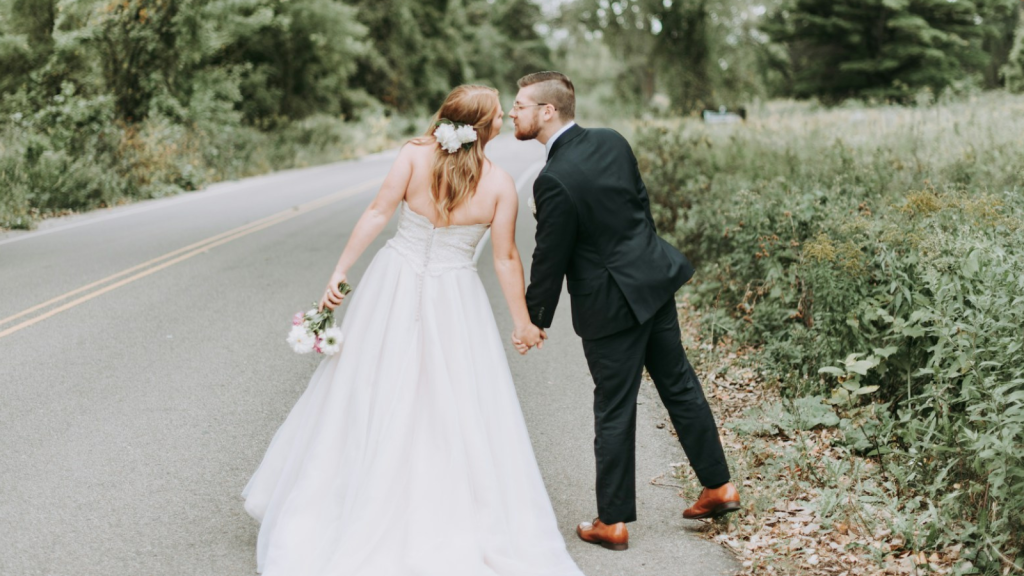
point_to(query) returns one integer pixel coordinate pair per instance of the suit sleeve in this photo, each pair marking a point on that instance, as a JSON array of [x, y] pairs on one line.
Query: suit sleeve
[[556, 239], [642, 192], [641, 188]]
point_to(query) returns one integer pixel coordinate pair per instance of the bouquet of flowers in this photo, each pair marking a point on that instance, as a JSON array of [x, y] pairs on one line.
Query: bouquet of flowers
[[315, 331]]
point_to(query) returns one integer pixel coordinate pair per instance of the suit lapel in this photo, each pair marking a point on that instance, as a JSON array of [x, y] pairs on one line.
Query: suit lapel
[[567, 136]]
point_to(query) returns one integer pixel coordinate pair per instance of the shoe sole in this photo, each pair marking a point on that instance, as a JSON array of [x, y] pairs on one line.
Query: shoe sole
[[718, 511]]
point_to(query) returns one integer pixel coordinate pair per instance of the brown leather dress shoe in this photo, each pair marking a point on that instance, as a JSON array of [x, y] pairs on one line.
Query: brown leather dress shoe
[[612, 537], [714, 502]]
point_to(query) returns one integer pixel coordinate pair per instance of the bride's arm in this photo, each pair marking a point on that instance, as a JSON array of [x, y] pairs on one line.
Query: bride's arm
[[508, 265], [373, 220]]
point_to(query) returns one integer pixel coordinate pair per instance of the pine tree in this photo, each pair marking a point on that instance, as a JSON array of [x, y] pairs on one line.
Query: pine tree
[[878, 48]]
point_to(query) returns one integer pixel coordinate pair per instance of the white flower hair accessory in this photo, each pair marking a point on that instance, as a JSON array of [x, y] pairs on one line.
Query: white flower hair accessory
[[454, 136]]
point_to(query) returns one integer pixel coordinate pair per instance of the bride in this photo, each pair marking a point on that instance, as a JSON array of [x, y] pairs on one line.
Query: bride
[[408, 455]]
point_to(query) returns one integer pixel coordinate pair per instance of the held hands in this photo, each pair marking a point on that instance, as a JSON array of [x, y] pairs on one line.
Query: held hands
[[526, 337], [333, 295]]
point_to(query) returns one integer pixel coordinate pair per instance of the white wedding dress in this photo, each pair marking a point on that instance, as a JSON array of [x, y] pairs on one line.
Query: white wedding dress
[[408, 455]]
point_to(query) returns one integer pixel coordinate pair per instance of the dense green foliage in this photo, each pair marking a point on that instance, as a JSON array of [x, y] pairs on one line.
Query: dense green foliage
[[107, 100], [686, 55], [423, 48], [891, 48], [695, 53], [103, 101], [885, 246]]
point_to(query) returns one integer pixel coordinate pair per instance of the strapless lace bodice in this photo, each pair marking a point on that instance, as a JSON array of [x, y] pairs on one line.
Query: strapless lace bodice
[[433, 250]]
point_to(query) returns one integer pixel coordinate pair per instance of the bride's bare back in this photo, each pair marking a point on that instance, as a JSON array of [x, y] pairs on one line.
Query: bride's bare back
[[478, 209], [495, 202]]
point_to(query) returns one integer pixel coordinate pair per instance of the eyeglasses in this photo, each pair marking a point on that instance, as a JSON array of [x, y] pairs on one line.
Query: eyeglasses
[[517, 106]]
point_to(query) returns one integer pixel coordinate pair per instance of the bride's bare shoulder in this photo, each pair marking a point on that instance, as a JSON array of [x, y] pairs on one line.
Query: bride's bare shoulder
[[496, 177], [419, 149]]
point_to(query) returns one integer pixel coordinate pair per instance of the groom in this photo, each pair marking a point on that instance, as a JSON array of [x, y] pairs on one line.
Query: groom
[[594, 227]]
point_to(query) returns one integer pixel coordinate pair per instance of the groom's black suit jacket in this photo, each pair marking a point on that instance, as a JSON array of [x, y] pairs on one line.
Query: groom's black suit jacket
[[594, 226]]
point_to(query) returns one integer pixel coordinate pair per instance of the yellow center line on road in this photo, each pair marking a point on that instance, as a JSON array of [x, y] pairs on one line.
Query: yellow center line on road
[[181, 253], [133, 269]]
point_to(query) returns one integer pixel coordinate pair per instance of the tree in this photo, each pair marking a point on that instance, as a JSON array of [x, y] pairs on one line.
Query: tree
[[630, 29], [418, 51], [1000, 19], [276, 60], [294, 58], [684, 47], [507, 41], [698, 52], [1013, 70], [881, 48], [136, 41], [26, 40], [271, 61]]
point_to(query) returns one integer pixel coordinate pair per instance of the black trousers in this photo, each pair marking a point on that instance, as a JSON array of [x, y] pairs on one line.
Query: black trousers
[[616, 364]]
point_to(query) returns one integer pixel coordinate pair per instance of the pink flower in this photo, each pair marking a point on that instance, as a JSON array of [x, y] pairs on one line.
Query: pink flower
[[297, 319], [317, 344]]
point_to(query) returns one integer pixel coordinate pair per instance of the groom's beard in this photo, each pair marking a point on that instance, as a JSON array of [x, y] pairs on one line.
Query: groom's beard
[[524, 132]]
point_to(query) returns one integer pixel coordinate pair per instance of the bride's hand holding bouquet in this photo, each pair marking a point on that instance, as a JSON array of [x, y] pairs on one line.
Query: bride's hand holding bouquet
[[315, 330], [337, 288]]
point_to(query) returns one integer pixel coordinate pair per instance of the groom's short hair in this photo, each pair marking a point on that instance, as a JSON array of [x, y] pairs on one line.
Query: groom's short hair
[[553, 88]]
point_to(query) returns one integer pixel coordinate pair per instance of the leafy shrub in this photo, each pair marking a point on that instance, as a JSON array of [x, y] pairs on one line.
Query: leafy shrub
[[894, 235], [72, 155], [57, 159]]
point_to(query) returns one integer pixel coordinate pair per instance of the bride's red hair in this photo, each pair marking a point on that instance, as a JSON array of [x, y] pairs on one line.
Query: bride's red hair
[[455, 176]]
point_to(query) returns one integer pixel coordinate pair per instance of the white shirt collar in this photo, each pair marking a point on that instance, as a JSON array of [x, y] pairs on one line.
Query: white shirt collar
[[551, 141]]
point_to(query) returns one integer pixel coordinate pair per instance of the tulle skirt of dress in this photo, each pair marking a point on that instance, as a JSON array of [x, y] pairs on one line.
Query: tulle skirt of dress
[[408, 455]]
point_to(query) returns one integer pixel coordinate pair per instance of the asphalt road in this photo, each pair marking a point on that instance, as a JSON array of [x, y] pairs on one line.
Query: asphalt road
[[133, 411]]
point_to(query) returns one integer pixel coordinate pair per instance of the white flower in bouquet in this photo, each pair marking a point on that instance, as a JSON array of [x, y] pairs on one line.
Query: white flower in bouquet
[[315, 331], [447, 138], [301, 340], [533, 205], [330, 341], [466, 134]]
